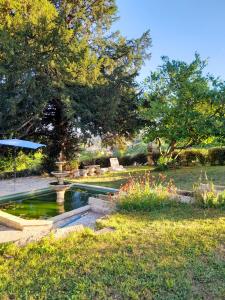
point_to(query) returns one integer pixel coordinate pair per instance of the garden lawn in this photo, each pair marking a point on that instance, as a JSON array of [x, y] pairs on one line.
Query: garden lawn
[[169, 253], [184, 178]]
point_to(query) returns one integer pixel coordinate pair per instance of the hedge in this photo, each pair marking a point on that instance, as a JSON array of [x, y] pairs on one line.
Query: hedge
[[188, 157], [102, 161], [23, 173], [130, 160], [216, 156], [191, 156], [127, 160]]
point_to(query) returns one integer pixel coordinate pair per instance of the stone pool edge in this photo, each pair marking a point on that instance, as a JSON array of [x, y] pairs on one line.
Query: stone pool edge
[[50, 189], [16, 196], [24, 224], [35, 230]]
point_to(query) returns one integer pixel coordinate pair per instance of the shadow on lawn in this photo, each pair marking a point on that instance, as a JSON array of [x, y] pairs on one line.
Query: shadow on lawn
[[181, 212]]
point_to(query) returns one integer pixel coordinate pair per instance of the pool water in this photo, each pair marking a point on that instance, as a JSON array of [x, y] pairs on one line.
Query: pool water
[[44, 206]]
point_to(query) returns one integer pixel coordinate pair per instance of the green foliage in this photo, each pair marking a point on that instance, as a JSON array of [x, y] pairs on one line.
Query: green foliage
[[188, 157], [88, 155], [192, 156], [73, 164], [164, 163], [217, 156], [182, 106], [63, 76], [137, 148], [129, 160], [23, 161], [146, 193], [103, 161]]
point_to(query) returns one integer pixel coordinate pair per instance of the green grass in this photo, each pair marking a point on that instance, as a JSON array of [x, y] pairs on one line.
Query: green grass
[[170, 253], [184, 178]]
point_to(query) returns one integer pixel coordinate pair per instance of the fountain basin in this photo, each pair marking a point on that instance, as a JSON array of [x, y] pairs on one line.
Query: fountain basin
[[42, 204], [60, 191], [61, 187], [60, 176]]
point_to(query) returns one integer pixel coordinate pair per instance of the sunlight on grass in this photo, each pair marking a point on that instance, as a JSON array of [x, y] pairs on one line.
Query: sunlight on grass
[[184, 178], [170, 253]]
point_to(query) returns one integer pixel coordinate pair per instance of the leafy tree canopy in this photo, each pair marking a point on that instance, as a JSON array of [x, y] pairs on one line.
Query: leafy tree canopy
[[182, 106], [63, 74]]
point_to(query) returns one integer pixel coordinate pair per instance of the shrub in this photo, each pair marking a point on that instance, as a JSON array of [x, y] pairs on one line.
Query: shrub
[[127, 160], [188, 157], [24, 162], [73, 164], [191, 156], [102, 161], [130, 160], [216, 156], [164, 163], [146, 193], [23, 173], [137, 148]]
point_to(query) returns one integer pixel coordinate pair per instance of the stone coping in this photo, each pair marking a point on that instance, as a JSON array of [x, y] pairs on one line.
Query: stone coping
[[24, 224], [50, 189], [70, 213], [96, 188], [20, 223], [17, 196], [94, 204]]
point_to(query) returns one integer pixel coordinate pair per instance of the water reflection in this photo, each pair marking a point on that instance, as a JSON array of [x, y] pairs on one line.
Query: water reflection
[[42, 206], [76, 200], [61, 208]]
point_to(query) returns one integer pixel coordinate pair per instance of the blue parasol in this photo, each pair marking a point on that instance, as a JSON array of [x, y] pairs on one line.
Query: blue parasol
[[19, 144]]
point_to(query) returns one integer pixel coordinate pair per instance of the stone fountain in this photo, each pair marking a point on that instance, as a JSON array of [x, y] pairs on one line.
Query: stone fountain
[[60, 187]]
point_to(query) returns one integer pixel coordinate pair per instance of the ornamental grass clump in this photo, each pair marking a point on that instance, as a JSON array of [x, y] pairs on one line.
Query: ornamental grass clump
[[207, 196], [146, 193]]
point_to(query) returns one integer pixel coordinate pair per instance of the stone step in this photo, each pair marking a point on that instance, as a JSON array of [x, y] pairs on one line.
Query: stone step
[[22, 224]]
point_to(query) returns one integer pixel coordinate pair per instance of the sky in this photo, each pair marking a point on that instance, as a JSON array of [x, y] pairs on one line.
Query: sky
[[178, 29]]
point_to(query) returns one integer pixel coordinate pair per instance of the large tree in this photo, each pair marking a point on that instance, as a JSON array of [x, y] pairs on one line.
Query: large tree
[[182, 106], [63, 75]]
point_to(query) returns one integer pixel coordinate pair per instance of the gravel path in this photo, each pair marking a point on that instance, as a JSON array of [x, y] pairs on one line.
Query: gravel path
[[24, 184]]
